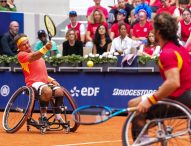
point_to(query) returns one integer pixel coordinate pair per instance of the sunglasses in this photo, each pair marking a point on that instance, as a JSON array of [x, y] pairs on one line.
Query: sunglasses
[[3, 1]]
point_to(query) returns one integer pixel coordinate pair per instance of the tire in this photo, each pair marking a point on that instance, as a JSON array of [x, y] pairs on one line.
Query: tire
[[71, 105], [174, 122], [18, 109]]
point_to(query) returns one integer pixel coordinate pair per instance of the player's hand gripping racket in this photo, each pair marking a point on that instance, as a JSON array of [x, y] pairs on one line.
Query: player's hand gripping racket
[[90, 115], [50, 27]]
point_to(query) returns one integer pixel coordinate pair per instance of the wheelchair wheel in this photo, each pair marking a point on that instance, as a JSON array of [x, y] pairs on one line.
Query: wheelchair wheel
[[167, 124], [18, 109], [70, 106]]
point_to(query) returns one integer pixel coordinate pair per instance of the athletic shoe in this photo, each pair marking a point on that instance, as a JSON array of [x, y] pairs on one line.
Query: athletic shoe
[[43, 120]]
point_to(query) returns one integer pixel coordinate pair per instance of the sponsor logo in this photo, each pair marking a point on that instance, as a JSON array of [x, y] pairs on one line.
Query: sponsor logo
[[130, 92], [5, 90], [85, 91]]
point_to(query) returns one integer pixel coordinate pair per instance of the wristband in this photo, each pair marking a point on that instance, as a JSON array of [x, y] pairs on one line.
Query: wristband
[[43, 50], [152, 99]]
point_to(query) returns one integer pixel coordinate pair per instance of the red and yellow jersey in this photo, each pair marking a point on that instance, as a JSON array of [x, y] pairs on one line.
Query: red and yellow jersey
[[33, 71], [173, 56]]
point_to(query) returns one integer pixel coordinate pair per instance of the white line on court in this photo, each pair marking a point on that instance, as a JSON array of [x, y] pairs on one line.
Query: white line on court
[[86, 143]]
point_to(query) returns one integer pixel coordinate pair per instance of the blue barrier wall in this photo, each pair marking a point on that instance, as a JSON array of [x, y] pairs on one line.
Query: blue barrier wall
[[113, 89]]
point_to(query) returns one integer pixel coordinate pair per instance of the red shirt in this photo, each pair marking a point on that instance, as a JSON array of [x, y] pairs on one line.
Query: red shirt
[[185, 30], [142, 31], [91, 9], [92, 28], [33, 71], [173, 56], [169, 10], [149, 50], [115, 29], [77, 29]]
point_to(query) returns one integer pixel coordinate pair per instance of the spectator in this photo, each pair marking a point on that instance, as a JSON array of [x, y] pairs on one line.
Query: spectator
[[7, 6], [155, 5], [42, 36], [123, 44], [95, 19], [114, 11], [77, 26], [7, 41], [184, 26], [97, 6], [166, 7], [102, 41], [143, 27], [151, 48], [72, 45], [182, 4], [115, 27], [133, 19]]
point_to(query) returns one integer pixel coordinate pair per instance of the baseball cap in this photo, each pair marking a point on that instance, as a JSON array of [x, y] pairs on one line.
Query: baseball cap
[[72, 13], [41, 32], [121, 11]]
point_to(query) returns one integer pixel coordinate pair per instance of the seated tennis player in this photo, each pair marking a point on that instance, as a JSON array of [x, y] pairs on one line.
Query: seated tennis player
[[35, 72], [175, 68]]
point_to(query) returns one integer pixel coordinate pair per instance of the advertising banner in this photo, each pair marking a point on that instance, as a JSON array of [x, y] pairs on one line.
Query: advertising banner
[[110, 89]]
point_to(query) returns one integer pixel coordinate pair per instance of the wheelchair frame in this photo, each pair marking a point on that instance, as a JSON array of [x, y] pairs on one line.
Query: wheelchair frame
[[17, 112], [163, 129]]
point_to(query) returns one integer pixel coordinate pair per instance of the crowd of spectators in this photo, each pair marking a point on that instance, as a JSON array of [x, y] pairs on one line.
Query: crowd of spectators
[[127, 25]]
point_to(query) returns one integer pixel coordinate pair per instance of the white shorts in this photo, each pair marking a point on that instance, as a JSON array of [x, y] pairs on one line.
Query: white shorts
[[39, 85]]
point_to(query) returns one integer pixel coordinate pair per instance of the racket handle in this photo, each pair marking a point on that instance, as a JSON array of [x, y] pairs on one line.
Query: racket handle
[[132, 109]]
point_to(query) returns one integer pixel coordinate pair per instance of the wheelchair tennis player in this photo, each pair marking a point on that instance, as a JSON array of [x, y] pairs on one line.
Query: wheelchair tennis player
[[36, 76], [175, 69]]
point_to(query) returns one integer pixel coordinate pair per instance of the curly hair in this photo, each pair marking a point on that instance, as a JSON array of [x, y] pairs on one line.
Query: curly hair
[[167, 27], [91, 18]]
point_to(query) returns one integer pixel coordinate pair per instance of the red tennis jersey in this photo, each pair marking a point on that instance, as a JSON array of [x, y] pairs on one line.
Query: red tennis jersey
[[173, 56], [33, 71], [185, 30], [142, 31]]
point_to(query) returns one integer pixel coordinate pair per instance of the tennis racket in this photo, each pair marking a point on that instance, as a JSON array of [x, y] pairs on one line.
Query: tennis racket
[[50, 26], [95, 114]]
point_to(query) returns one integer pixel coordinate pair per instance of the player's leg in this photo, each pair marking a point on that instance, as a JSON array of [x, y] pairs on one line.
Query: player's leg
[[45, 94], [58, 96]]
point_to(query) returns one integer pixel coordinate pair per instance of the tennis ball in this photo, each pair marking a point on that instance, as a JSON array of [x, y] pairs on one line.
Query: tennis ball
[[90, 63]]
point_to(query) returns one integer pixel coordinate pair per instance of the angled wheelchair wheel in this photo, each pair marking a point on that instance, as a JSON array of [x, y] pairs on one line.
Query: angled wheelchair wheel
[[18, 109], [69, 105], [167, 124]]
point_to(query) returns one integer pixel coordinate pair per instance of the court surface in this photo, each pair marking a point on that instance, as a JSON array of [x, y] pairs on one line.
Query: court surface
[[105, 134]]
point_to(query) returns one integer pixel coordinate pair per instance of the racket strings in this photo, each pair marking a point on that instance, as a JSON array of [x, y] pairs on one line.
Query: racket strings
[[93, 115]]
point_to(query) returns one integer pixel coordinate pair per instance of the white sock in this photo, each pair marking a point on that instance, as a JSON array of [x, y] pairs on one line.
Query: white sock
[[58, 116]]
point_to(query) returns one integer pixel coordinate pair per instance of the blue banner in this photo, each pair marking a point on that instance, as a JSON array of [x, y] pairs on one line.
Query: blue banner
[[111, 89]]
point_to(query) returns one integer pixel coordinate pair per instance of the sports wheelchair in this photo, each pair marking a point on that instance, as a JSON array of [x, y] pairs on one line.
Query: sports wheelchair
[[167, 124], [22, 106]]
